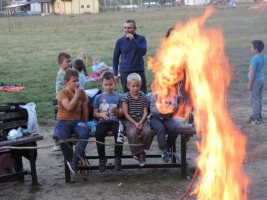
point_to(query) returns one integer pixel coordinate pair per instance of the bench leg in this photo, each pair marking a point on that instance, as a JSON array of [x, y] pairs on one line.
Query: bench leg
[[32, 159], [184, 140], [18, 165], [67, 173], [173, 151]]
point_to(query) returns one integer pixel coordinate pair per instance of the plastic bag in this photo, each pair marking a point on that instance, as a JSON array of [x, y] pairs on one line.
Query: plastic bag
[[17, 133], [33, 126], [14, 134]]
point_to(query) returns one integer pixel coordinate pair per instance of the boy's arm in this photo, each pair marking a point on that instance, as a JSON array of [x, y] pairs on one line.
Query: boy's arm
[[116, 58], [85, 112], [126, 114], [252, 71], [69, 105], [145, 114], [98, 115]]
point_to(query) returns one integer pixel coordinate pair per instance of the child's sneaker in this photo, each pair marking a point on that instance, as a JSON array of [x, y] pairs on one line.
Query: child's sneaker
[[72, 167], [102, 165], [165, 156], [256, 121], [56, 148], [117, 164], [142, 159]]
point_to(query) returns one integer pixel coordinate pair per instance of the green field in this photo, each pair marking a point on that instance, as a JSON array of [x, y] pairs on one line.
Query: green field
[[30, 45]]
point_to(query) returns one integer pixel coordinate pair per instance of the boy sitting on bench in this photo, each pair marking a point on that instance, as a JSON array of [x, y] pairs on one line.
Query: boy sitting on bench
[[71, 118], [107, 109]]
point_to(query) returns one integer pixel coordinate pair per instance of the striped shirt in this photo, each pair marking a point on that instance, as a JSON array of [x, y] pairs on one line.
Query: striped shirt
[[135, 106]]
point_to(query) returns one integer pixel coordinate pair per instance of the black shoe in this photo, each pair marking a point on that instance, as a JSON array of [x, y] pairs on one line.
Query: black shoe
[[117, 164], [142, 159], [72, 167], [102, 165]]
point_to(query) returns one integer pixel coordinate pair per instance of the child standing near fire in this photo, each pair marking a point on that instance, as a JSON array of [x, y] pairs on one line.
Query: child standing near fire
[[135, 108], [256, 81]]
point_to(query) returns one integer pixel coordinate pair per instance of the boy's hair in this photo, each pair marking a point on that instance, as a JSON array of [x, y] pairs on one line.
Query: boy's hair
[[107, 75], [61, 57], [79, 65], [70, 73], [133, 77], [169, 32], [95, 57], [258, 45], [131, 21]]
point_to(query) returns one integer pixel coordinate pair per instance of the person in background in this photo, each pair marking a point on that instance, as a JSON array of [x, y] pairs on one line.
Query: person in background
[[128, 55], [79, 66], [135, 109], [71, 118], [107, 110], [64, 63], [99, 67], [256, 81], [83, 57]]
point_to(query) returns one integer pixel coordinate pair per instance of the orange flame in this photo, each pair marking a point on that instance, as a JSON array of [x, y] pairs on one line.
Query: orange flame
[[199, 51]]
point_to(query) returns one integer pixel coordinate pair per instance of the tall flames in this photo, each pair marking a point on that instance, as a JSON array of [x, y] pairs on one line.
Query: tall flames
[[199, 51]]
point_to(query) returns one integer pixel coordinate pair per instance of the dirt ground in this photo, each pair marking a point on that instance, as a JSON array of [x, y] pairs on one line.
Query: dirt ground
[[144, 184]]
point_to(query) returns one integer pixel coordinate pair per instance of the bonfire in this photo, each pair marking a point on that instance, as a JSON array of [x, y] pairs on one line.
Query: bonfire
[[197, 53]]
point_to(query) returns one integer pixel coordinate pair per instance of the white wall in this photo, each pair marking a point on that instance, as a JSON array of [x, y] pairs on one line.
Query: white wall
[[196, 2]]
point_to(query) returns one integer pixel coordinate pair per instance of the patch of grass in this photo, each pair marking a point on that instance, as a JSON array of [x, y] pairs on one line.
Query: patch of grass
[[30, 45]]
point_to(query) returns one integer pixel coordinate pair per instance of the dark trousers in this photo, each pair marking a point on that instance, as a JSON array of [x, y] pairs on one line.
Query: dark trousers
[[102, 129], [124, 81], [163, 127]]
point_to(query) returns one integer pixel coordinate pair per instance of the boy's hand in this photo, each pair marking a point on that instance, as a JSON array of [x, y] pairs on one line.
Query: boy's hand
[[104, 115], [249, 87], [139, 126], [113, 110], [77, 91]]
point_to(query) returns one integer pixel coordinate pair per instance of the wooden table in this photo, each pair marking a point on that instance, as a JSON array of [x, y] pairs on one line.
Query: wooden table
[[30, 154]]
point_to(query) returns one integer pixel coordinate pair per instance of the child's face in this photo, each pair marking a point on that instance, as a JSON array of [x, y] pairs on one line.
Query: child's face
[[108, 85], [95, 61], [134, 87], [253, 50], [73, 83], [66, 63]]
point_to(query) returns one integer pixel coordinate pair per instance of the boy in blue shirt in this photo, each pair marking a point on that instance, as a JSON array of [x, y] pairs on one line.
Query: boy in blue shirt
[[256, 80], [107, 110]]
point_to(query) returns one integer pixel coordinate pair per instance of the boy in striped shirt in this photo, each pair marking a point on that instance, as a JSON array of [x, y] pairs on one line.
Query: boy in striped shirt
[[135, 109]]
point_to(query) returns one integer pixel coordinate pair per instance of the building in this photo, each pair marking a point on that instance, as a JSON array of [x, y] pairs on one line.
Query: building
[[75, 6], [24, 7]]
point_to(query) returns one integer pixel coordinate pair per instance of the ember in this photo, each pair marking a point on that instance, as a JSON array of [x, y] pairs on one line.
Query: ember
[[200, 52]]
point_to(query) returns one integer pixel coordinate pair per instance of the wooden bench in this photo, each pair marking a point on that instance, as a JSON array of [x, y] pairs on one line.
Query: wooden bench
[[11, 118], [185, 135]]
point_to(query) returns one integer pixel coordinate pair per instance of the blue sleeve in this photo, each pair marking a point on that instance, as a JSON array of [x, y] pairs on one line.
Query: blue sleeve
[[253, 62], [140, 45], [116, 58], [96, 101]]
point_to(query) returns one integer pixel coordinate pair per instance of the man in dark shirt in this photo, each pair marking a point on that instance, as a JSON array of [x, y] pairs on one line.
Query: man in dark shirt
[[128, 55]]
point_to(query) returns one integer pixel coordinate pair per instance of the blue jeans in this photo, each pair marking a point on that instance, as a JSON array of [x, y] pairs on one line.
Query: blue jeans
[[256, 98], [64, 128], [163, 127]]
